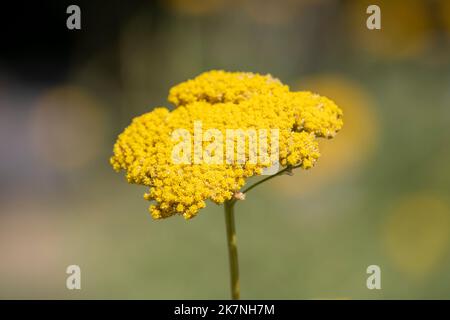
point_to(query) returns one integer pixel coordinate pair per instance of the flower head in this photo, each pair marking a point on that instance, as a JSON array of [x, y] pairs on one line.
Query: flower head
[[221, 102]]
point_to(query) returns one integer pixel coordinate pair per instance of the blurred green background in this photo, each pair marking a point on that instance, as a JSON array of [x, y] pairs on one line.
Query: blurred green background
[[378, 195]]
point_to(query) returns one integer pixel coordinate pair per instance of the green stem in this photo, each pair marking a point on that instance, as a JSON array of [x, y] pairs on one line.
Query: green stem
[[232, 249], [266, 179], [231, 235]]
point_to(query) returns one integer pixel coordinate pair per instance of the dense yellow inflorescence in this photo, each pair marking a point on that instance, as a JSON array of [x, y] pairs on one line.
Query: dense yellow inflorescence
[[220, 100]]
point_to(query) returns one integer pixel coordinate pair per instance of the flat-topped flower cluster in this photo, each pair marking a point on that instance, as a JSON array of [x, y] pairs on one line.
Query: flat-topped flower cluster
[[220, 101]]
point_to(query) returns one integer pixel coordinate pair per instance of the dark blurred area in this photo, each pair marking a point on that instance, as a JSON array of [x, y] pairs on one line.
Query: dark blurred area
[[378, 195]]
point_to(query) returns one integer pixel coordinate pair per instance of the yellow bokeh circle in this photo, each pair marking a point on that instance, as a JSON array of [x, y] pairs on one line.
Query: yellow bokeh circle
[[416, 232], [406, 28]]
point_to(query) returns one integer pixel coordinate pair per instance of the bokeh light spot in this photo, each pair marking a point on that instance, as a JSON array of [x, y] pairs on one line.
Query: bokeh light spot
[[416, 233], [405, 28]]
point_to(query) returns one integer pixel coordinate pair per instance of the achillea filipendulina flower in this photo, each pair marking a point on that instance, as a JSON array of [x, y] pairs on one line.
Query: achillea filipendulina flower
[[221, 101], [217, 102]]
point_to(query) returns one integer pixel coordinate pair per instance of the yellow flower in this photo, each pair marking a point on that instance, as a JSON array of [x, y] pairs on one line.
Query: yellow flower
[[220, 101]]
